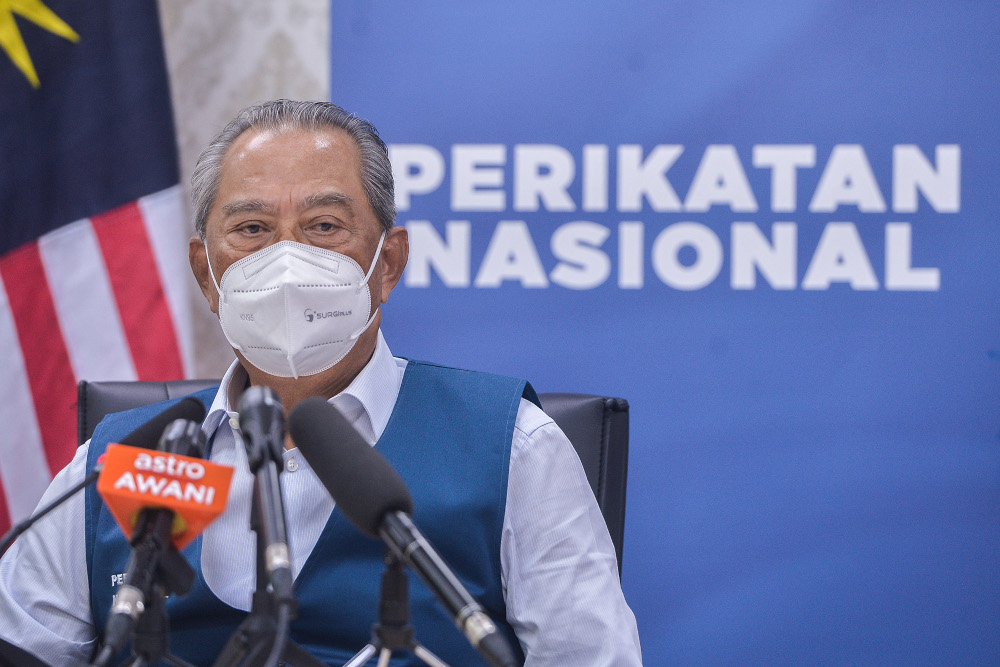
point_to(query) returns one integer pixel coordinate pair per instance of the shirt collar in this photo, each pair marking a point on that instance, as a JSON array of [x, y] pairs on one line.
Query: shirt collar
[[367, 402]]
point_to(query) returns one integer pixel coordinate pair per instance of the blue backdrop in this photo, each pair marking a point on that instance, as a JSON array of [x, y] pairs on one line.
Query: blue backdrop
[[772, 227]]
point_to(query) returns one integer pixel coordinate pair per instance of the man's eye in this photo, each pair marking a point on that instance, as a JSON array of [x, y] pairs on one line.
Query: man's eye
[[252, 228], [325, 226]]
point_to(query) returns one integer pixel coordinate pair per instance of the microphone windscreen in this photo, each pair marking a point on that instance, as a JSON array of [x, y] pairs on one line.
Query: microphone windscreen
[[148, 435], [361, 481], [184, 437]]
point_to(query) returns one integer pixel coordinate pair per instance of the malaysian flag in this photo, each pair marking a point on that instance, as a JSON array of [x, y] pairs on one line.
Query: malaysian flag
[[93, 252]]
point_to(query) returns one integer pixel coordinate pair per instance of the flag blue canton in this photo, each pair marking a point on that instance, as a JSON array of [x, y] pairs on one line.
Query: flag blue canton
[[92, 229], [97, 133]]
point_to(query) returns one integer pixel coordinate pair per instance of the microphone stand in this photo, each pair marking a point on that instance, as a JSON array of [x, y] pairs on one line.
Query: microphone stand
[[170, 575], [393, 630], [255, 637], [150, 640]]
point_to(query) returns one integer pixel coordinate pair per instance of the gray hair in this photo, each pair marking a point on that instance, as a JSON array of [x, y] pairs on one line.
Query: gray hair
[[376, 172]]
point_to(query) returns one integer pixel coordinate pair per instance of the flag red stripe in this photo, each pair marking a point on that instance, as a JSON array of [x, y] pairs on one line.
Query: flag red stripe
[[46, 360], [142, 304], [4, 512]]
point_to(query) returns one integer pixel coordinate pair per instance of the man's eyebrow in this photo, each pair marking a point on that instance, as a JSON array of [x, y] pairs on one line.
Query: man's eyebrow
[[248, 206], [312, 201], [326, 199]]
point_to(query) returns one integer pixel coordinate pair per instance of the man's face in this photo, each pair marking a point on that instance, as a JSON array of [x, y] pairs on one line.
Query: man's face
[[303, 186], [293, 185]]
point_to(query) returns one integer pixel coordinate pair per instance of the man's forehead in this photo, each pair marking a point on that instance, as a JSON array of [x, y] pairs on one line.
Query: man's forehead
[[304, 168], [318, 138], [276, 153]]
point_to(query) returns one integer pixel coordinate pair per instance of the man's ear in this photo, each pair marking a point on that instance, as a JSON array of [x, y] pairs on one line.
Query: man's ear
[[199, 267], [395, 252]]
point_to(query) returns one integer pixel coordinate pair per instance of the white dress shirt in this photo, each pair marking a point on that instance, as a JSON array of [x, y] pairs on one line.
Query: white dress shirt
[[559, 572]]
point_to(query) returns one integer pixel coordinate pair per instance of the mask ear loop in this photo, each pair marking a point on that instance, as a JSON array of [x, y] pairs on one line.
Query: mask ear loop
[[222, 295], [364, 282], [210, 271]]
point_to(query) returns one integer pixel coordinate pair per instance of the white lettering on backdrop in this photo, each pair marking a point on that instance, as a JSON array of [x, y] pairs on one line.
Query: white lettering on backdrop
[[684, 254]]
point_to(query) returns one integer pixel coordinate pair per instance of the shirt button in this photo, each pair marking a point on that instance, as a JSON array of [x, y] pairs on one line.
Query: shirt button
[[292, 465], [234, 422]]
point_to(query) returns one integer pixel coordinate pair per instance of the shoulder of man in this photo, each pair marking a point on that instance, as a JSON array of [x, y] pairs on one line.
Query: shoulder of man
[[477, 378], [116, 425]]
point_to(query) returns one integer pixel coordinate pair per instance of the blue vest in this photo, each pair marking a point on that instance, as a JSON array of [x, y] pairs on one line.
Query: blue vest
[[449, 438]]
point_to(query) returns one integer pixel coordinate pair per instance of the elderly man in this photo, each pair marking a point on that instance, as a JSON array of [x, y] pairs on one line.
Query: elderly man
[[296, 253]]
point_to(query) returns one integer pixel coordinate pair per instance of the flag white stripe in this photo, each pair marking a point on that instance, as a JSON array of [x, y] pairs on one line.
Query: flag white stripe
[[85, 304], [164, 215], [24, 470]]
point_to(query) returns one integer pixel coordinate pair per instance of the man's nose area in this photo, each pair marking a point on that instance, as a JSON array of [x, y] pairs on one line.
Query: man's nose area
[[288, 229]]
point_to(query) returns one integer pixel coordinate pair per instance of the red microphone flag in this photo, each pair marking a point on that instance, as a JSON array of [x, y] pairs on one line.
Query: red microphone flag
[[135, 478]]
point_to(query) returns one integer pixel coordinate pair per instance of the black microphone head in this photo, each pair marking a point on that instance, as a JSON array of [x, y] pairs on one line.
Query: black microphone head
[[362, 482], [148, 435], [183, 437], [262, 422]]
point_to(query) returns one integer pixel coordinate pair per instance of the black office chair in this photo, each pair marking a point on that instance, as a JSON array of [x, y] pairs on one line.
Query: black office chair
[[596, 425]]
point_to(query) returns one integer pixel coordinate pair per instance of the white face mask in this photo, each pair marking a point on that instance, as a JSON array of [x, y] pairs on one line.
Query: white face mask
[[293, 309]]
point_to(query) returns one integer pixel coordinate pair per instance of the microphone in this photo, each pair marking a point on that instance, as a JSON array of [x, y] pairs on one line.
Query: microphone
[[162, 499], [262, 422], [147, 435], [370, 493]]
